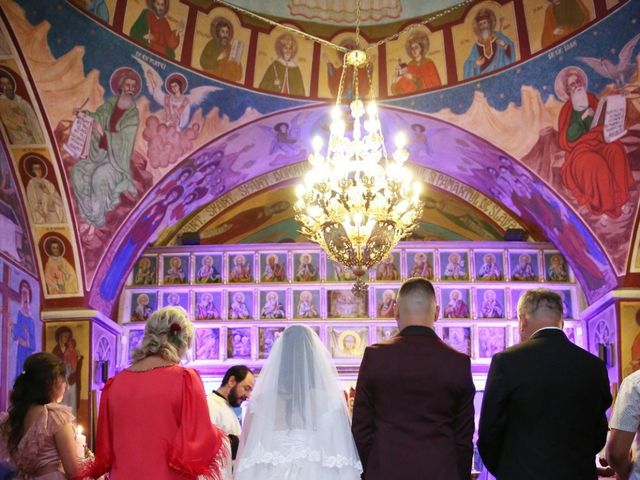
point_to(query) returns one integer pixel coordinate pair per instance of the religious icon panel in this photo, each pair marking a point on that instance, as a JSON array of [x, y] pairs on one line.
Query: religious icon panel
[[336, 272], [386, 333], [491, 340], [348, 342], [490, 303], [306, 303], [208, 268], [555, 268], [489, 265], [175, 269], [143, 304], [455, 303], [239, 342], [267, 336], [240, 304], [208, 305], [145, 270], [420, 264], [458, 338], [207, 344], [524, 266], [272, 304], [389, 268], [344, 304], [306, 267], [176, 299], [386, 302], [273, 267], [240, 267], [454, 265]]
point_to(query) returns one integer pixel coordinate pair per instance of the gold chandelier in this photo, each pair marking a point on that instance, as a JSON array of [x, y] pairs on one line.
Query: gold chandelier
[[355, 202]]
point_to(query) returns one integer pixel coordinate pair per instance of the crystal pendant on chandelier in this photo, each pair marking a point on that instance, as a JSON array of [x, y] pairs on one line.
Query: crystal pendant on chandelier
[[355, 201]]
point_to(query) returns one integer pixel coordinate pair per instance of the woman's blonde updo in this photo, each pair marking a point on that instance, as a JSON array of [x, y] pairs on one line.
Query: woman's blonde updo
[[168, 333]]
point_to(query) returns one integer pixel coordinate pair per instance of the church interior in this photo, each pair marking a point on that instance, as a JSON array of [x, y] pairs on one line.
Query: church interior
[[152, 151]]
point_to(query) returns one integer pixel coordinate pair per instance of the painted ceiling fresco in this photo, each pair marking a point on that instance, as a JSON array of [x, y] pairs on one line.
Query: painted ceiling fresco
[[340, 12], [136, 137], [267, 217]]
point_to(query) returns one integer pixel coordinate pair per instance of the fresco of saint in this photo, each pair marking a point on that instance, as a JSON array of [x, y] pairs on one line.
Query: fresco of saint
[[221, 55], [273, 307], [492, 50], [153, 30], [59, 276], [561, 19], [17, 115], [598, 174], [284, 75], [456, 307], [43, 197], [100, 179], [420, 73]]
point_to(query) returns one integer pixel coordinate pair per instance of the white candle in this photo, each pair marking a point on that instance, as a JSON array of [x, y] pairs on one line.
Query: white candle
[[81, 442]]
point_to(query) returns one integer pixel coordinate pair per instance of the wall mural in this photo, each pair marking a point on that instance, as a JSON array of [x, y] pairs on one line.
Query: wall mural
[[71, 342], [111, 115], [486, 37], [37, 176], [20, 323], [14, 242], [456, 153], [629, 346], [445, 217], [128, 123]]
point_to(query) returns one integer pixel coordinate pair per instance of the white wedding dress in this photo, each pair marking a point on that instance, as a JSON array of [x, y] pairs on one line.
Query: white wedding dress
[[297, 425]]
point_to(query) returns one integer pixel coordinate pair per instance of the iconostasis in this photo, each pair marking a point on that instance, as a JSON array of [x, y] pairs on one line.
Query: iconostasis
[[241, 298]]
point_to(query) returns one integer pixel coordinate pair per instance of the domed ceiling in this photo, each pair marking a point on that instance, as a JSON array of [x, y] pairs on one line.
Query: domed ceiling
[[341, 12]]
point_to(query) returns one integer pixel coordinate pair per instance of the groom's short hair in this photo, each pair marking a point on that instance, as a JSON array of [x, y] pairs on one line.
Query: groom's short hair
[[417, 292]]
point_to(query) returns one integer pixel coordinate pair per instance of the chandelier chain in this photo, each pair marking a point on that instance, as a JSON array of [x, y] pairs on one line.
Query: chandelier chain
[[428, 19], [358, 24]]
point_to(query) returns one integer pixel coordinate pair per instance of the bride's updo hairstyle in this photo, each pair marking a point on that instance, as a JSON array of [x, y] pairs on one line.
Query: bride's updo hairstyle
[[168, 333]]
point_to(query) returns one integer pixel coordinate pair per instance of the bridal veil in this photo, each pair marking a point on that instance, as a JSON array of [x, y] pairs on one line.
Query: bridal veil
[[297, 425]]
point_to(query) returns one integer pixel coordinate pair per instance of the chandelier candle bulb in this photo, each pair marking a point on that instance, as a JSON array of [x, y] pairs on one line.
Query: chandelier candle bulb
[[317, 145]]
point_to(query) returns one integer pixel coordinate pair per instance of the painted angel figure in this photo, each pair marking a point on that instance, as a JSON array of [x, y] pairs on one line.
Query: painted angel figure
[[176, 102], [284, 140]]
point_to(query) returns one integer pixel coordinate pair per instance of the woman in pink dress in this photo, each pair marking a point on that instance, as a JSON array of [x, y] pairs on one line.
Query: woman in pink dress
[[37, 435], [154, 420]]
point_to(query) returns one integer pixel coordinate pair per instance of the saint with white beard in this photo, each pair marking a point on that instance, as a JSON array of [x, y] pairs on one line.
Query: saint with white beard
[[597, 173], [99, 179]]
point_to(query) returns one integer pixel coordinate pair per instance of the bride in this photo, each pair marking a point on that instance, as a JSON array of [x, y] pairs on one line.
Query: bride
[[297, 425]]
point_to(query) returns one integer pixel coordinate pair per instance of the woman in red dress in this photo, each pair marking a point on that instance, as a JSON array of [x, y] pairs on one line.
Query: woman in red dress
[[153, 420]]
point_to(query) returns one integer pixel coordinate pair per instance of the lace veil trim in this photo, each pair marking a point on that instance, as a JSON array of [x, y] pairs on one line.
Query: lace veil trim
[[279, 457]]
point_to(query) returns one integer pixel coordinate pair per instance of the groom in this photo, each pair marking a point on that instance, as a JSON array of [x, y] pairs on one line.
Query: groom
[[413, 411]]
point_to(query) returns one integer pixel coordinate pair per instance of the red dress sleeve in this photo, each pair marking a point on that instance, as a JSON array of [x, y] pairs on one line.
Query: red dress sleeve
[[198, 447], [101, 463]]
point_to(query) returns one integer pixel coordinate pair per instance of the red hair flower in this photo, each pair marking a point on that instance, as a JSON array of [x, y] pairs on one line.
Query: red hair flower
[[175, 328]]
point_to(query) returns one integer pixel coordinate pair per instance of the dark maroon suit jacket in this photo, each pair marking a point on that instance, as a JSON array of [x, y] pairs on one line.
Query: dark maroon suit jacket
[[413, 411]]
